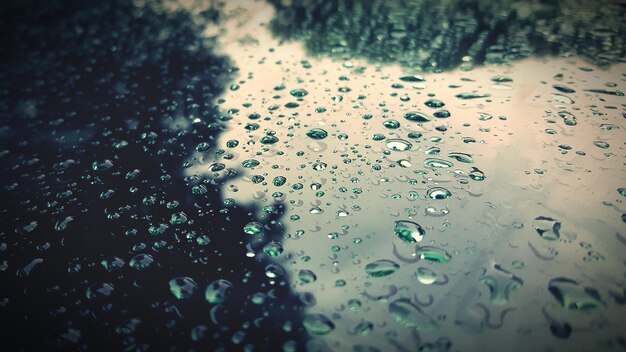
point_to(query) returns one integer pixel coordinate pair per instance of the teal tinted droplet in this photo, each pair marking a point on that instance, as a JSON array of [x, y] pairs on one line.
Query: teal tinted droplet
[[412, 78], [433, 254], [218, 291], [399, 145], [604, 91], [476, 175], [563, 89], [410, 316], [183, 287], [434, 103], [250, 163], [415, 116], [253, 228], [273, 249], [462, 157], [571, 295], [622, 191], [502, 79], [279, 181], [317, 133], [426, 276], [99, 290], [381, 268], [378, 137], [268, 140], [391, 124], [306, 276], [409, 231], [292, 105], [441, 114], [438, 163], [299, 93], [601, 144], [141, 261], [547, 228], [318, 324], [467, 96], [414, 135], [438, 193]]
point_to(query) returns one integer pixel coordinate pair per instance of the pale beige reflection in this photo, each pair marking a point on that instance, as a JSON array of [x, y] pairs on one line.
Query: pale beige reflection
[[527, 175]]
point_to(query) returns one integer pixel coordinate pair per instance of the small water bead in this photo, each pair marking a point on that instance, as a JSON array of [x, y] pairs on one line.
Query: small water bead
[[438, 193], [268, 140], [112, 264], [462, 157], [218, 291], [232, 143], [317, 133], [409, 231], [568, 118], [412, 78], [306, 276], [101, 166], [253, 228], [468, 96], [433, 254], [438, 163], [442, 114], [378, 137], [404, 163], [141, 261], [622, 191], [99, 290], [250, 163], [434, 103], [183, 287], [502, 79], [381, 268], [476, 175], [601, 144], [299, 93], [411, 316], [279, 181], [318, 324], [415, 116], [273, 249], [548, 228], [391, 124], [215, 167], [426, 276], [571, 295], [399, 145]]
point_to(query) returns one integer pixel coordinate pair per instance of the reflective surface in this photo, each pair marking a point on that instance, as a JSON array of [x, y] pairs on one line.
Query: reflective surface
[[217, 186]]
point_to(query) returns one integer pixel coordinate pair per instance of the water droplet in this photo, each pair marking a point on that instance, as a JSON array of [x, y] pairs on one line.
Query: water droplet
[[268, 140], [409, 231], [462, 157], [438, 163], [601, 144], [318, 324], [391, 124], [183, 287], [411, 316], [253, 228], [399, 145], [306, 276], [433, 254], [573, 296], [547, 228], [299, 93], [381, 268], [317, 133], [415, 116], [426, 276], [217, 291], [141, 261], [501, 284], [438, 193], [563, 89], [99, 290], [467, 96], [412, 78]]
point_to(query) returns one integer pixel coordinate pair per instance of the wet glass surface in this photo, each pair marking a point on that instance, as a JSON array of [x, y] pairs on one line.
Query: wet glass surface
[[313, 175]]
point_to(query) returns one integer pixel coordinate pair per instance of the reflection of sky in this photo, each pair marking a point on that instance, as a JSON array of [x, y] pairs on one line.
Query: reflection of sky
[[528, 174]]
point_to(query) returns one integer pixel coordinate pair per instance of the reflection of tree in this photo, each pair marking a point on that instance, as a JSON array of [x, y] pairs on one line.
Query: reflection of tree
[[436, 35], [85, 82]]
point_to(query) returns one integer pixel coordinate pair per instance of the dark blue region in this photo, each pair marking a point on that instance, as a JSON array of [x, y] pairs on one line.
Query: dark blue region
[[437, 35], [89, 92]]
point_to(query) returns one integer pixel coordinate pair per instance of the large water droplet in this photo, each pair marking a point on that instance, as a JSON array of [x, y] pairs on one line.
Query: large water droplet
[[409, 231], [381, 268]]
